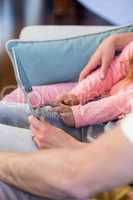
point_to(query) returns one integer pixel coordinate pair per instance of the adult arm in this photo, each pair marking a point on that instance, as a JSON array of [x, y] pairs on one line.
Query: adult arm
[[66, 174], [105, 53]]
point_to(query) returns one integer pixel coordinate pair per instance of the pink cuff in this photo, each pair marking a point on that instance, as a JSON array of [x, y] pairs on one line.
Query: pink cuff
[[77, 116]]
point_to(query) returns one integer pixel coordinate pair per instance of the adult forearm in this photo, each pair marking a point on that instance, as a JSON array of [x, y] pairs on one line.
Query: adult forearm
[[48, 173], [14, 167], [72, 174], [113, 165]]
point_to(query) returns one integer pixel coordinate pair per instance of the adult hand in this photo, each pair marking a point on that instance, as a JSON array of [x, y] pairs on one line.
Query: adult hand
[[102, 57], [66, 114], [47, 136]]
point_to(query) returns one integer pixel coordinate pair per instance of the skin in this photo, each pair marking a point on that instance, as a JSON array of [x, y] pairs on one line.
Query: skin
[[105, 53], [102, 57], [46, 136], [78, 171], [62, 105], [66, 114], [130, 196]]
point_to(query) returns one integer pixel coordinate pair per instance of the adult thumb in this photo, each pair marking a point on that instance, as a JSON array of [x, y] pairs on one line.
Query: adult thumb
[[93, 63]]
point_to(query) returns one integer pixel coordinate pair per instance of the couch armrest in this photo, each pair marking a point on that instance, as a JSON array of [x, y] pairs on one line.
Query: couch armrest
[[58, 32]]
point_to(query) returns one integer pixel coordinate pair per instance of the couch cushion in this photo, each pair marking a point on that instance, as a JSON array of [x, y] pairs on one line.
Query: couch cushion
[[47, 62], [56, 32]]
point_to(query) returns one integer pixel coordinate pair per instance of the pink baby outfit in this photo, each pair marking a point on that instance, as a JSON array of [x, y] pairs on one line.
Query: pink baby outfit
[[108, 107], [111, 105], [40, 95]]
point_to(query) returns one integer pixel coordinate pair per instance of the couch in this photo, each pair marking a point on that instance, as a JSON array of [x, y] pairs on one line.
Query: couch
[[38, 33], [58, 32]]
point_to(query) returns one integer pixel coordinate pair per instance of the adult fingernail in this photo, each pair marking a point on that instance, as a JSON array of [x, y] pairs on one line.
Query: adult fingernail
[[102, 76], [30, 118]]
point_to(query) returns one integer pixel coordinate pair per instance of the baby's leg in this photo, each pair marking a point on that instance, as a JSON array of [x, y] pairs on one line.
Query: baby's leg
[[41, 94], [14, 112]]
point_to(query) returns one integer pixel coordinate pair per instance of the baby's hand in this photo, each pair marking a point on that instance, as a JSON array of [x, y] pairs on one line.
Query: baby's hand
[[66, 114], [66, 99]]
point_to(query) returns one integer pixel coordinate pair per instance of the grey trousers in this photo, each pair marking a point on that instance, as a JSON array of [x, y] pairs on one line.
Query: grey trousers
[[8, 192], [15, 139], [17, 115]]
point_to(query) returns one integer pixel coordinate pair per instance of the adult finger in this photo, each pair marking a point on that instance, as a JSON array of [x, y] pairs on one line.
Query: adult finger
[[104, 66], [34, 131], [37, 135], [93, 63], [37, 142], [37, 124]]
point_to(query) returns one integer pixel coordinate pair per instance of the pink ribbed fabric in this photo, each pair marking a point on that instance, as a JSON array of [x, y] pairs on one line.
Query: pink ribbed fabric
[[115, 99], [41, 94], [115, 96]]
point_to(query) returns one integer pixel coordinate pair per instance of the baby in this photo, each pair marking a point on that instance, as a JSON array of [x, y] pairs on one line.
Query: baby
[[91, 101]]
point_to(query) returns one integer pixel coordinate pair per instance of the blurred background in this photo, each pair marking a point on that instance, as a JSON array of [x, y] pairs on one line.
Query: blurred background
[[15, 14]]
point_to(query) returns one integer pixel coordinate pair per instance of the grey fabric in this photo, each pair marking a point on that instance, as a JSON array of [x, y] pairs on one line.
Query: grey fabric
[[14, 114], [19, 139], [8, 192], [17, 115], [15, 136], [16, 139]]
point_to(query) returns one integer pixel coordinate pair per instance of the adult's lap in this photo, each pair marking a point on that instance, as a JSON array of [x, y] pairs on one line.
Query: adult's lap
[[14, 114], [16, 139], [8, 192]]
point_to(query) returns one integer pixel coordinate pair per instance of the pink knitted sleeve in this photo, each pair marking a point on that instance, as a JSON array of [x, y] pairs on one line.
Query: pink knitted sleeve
[[103, 110], [93, 86]]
